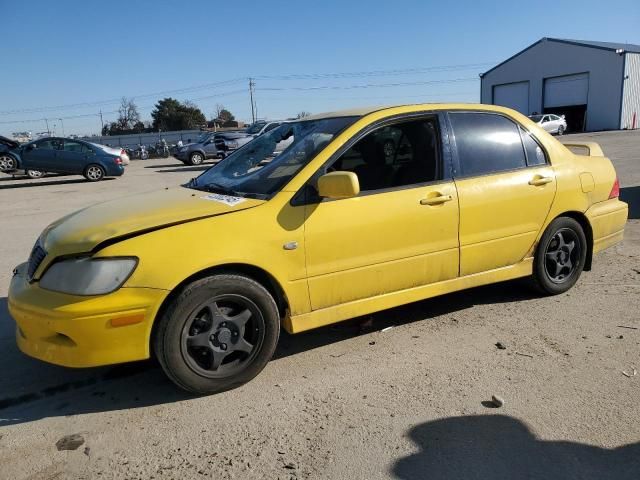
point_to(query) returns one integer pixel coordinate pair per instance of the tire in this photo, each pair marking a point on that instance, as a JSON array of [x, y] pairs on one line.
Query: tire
[[7, 163], [206, 341], [196, 158], [560, 256], [561, 130], [94, 173], [35, 174]]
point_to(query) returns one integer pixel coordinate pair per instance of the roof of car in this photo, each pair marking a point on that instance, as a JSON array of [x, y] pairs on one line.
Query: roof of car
[[362, 111]]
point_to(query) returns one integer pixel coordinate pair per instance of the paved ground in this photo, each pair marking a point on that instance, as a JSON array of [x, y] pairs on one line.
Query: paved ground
[[335, 403]]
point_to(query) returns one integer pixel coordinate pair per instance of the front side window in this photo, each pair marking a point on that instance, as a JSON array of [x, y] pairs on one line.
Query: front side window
[[259, 170], [486, 143], [49, 144], [396, 155]]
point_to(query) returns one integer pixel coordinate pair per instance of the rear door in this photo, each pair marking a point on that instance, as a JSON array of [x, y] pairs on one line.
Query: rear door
[[73, 157], [505, 185]]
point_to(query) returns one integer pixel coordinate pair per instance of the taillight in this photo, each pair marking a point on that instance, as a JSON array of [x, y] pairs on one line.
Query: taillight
[[122, 152], [118, 160], [615, 191]]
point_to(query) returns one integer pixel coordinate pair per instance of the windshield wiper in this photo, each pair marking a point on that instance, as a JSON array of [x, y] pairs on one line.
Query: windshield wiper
[[217, 188]]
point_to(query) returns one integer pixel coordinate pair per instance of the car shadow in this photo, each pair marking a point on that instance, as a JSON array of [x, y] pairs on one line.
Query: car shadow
[[30, 390], [504, 448], [163, 166], [199, 168], [631, 195], [36, 183]]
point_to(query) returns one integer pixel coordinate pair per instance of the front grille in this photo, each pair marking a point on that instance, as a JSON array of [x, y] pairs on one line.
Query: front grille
[[35, 259]]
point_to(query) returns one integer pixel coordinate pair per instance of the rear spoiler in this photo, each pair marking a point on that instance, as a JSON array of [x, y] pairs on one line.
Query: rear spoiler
[[592, 147]]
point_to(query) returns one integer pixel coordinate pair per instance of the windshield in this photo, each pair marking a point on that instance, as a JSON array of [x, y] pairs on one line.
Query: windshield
[[255, 128], [264, 165], [203, 137], [536, 118]]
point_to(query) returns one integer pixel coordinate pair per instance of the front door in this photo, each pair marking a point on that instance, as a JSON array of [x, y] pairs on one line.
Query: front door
[[506, 187], [41, 155], [400, 232]]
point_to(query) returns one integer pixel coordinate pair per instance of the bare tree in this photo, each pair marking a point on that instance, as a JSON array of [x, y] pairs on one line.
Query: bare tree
[[303, 114], [128, 114]]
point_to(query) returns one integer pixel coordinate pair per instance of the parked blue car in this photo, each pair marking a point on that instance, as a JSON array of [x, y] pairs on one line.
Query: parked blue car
[[66, 156]]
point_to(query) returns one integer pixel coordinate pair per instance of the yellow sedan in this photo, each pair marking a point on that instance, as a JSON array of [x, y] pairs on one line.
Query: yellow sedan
[[363, 211]]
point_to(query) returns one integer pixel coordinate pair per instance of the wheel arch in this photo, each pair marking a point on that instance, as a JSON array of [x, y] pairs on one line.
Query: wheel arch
[[258, 274], [588, 232]]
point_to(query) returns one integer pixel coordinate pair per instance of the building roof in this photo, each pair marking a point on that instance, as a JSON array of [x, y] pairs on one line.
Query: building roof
[[611, 46]]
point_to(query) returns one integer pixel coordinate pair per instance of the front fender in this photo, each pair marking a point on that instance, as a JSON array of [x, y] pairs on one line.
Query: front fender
[[253, 237]]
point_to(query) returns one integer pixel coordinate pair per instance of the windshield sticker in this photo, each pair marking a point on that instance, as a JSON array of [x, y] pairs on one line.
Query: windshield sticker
[[226, 199]]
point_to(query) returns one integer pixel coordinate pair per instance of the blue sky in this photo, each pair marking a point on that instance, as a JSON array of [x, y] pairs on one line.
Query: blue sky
[[64, 53]]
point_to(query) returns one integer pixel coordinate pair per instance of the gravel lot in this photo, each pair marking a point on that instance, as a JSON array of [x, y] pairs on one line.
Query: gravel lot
[[411, 402]]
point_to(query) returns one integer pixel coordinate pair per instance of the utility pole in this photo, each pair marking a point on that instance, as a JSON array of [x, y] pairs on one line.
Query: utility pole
[[62, 123], [48, 131], [101, 123], [253, 108]]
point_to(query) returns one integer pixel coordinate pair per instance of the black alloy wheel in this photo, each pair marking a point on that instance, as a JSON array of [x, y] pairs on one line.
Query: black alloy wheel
[[222, 336], [560, 256]]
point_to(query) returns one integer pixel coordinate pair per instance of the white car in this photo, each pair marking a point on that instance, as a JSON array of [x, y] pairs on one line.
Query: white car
[[551, 123], [115, 151]]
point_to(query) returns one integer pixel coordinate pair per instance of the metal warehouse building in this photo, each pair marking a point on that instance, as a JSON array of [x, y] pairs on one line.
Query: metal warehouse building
[[596, 85]]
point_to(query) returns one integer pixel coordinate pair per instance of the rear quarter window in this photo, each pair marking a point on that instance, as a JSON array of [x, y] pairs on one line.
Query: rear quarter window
[[486, 143]]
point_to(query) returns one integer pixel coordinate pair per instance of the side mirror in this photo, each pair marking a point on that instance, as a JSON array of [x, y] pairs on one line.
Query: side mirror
[[31, 146], [338, 185]]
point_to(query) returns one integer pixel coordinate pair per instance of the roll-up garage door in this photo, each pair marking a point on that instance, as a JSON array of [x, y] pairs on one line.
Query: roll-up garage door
[[512, 95], [566, 90]]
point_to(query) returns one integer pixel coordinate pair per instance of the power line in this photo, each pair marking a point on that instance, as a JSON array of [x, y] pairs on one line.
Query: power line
[[313, 76], [117, 100], [101, 113], [370, 85]]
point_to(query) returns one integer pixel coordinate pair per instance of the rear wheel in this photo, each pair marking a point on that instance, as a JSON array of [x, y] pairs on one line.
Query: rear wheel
[[94, 173], [196, 158], [35, 174], [561, 130], [7, 163], [217, 334], [560, 256]]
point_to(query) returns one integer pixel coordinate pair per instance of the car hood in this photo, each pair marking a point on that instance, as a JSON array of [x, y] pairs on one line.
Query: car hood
[[7, 142], [111, 221]]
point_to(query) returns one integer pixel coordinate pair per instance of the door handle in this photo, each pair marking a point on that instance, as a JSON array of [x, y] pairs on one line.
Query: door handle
[[537, 181], [436, 200]]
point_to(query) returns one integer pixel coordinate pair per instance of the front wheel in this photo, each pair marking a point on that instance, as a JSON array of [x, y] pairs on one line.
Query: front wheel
[[217, 334], [196, 158], [94, 173], [7, 163], [560, 256]]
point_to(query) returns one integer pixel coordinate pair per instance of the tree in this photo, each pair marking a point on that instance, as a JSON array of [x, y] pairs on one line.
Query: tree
[[128, 114], [303, 114], [223, 117], [170, 114]]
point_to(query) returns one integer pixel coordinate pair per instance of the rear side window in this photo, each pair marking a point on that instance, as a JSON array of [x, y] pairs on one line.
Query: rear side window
[[535, 154], [486, 143]]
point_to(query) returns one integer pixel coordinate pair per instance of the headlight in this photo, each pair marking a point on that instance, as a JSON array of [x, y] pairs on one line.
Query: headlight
[[88, 276]]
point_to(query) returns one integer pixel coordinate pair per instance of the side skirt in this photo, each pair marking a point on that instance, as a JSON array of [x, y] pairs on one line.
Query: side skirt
[[345, 311]]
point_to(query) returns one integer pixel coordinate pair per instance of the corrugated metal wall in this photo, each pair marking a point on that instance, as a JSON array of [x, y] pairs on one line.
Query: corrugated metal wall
[[631, 92]]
